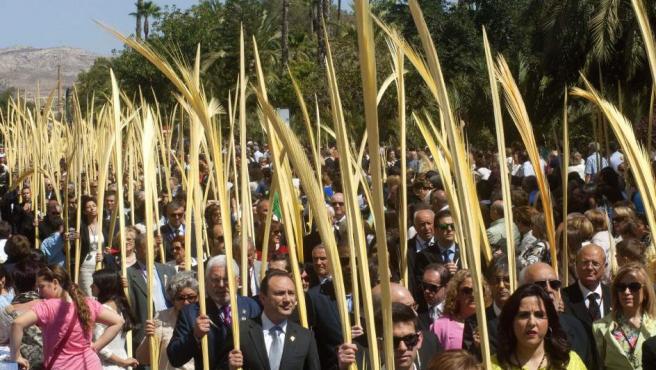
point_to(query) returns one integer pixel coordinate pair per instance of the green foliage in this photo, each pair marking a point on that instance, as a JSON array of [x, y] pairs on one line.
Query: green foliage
[[546, 43]]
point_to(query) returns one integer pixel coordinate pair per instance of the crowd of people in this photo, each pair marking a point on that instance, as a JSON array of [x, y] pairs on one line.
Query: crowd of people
[[59, 313]]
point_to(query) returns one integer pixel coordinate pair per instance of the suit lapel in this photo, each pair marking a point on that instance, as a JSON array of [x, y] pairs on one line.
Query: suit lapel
[[138, 278], [289, 343], [578, 305], [257, 337], [605, 296]]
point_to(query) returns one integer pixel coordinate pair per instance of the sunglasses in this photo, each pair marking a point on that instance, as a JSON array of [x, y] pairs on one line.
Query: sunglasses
[[467, 291], [410, 340], [554, 284], [338, 203], [446, 226], [634, 287], [431, 287], [188, 298]]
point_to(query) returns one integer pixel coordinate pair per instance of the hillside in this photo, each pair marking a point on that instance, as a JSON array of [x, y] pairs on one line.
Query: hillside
[[23, 67]]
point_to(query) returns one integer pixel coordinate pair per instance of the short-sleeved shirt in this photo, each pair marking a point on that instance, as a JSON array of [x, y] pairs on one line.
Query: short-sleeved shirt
[[54, 317]]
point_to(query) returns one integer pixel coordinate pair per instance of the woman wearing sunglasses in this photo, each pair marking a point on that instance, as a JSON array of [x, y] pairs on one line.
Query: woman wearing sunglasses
[[459, 305], [529, 334], [183, 290], [620, 334]]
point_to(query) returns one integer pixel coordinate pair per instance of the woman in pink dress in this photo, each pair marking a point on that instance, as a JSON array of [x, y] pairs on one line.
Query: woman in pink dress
[[66, 318], [459, 305]]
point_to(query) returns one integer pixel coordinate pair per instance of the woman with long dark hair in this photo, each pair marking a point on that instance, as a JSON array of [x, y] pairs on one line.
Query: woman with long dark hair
[[66, 317], [108, 290], [620, 334], [91, 241], [529, 335]]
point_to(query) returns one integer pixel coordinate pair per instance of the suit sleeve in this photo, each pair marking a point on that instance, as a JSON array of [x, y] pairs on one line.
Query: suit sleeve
[[183, 345], [649, 354], [600, 344], [312, 360]]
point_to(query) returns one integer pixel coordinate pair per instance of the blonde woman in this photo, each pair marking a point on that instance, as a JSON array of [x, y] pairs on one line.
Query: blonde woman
[[459, 305], [620, 334]]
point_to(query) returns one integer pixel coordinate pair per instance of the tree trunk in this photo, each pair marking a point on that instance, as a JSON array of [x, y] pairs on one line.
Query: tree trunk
[[137, 31], [146, 27], [284, 36], [339, 10]]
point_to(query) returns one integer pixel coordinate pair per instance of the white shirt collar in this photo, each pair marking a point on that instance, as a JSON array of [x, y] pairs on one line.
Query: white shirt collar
[[586, 292], [497, 310], [267, 324]]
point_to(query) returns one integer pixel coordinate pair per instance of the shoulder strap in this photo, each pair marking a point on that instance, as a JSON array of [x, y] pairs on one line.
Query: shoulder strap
[[60, 344]]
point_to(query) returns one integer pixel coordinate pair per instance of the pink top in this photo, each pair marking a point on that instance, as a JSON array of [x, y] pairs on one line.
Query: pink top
[[54, 317], [449, 332]]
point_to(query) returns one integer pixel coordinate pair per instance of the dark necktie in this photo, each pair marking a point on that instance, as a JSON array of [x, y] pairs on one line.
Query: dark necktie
[[593, 306]]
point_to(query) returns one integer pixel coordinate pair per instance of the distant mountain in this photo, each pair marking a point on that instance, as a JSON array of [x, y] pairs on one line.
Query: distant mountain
[[22, 67]]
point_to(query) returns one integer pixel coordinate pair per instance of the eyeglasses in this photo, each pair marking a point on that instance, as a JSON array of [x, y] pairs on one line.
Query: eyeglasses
[[337, 203], [554, 284], [188, 298], [177, 215], [594, 264], [634, 287], [410, 340], [431, 287], [446, 226], [467, 291]]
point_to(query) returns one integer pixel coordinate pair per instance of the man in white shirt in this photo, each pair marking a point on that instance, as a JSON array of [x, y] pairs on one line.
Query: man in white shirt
[[287, 345], [616, 159], [595, 162]]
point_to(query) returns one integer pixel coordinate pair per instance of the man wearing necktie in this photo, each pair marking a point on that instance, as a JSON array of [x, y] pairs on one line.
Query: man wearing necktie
[[445, 250], [137, 281], [175, 214], [216, 324], [272, 341], [588, 299]]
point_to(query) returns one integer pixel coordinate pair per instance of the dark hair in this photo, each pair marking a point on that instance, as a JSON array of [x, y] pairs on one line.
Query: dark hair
[[5, 229], [441, 269], [24, 277], [264, 285], [400, 313], [555, 342], [498, 265], [442, 214], [5, 274], [110, 288], [52, 272], [18, 247], [633, 249], [173, 205], [86, 199]]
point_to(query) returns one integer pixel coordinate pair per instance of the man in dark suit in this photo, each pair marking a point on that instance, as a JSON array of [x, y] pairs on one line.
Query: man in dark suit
[[138, 288], [649, 354], [216, 324], [423, 222], [444, 250], [588, 299], [273, 341], [433, 287], [175, 214]]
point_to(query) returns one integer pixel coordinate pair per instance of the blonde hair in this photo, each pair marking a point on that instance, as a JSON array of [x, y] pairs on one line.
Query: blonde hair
[[598, 219], [649, 297], [452, 289]]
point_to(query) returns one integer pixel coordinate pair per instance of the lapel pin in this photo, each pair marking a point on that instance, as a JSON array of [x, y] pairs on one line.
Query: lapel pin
[[292, 338]]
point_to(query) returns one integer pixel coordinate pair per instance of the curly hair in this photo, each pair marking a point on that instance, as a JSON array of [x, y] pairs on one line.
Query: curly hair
[[555, 342], [52, 272], [452, 288]]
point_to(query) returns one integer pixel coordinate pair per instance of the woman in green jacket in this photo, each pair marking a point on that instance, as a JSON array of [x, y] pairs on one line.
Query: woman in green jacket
[[620, 334]]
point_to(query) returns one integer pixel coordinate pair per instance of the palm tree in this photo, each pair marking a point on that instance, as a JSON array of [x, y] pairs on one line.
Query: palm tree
[[284, 35], [152, 10], [139, 5]]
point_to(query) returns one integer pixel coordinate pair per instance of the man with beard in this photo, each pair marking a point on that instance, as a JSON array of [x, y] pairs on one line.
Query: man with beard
[[216, 324], [273, 341]]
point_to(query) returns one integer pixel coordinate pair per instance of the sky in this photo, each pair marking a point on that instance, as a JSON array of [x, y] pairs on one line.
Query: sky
[[51, 23]]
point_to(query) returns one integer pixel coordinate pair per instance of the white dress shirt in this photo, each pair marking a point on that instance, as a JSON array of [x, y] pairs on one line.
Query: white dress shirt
[[586, 292], [267, 324]]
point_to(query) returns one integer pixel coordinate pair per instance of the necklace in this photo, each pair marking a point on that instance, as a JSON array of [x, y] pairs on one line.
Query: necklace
[[632, 346], [519, 364]]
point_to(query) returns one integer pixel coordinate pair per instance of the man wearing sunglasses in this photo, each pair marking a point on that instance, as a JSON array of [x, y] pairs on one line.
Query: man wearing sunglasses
[[445, 250], [433, 287], [543, 275], [407, 340]]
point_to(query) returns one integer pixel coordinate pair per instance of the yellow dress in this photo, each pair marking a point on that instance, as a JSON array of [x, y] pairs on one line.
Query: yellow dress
[[575, 363]]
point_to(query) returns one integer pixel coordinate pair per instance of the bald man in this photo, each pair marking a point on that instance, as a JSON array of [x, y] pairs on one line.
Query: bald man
[[496, 233], [588, 299], [543, 275]]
